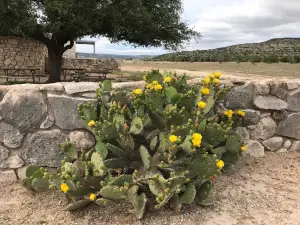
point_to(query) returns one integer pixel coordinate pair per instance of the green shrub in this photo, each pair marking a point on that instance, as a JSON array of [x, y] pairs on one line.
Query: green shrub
[[163, 144]]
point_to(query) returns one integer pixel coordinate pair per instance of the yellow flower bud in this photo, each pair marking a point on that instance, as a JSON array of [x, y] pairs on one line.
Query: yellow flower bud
[[91, 123], [173, 138], [168, 80], [205, 91], [201, 105], [92, 197], [220, 164], [212, 76]]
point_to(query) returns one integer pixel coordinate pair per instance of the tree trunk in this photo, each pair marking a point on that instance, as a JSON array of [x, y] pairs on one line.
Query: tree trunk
[[55, 54]]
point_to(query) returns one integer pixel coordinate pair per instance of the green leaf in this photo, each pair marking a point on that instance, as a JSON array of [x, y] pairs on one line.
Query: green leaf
[[209, 104], [157, 120], [219, 151], [77, 205], [31, 170], [138, 202], [233, 144], [189, 195], [187, 145], [115, 163], [116, 150], [40, 185], [107, 85], [112, 192], [98, 164], [136, 126], [101, 149], [202, 126], [145, 157]]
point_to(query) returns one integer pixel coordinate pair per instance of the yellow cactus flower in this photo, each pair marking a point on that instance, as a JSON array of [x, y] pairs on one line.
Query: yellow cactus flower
[[168, 79], [173, 138], [144, 78], [244, 148], [220, 164], [155, 82], [158, 87], [64, 187], [228, 113], [201, 105], [205, 91], [92, 197], [218, 74], [241, 113], [212, 75], [206, 80], [197, 139], [216, 81], [91, 123], [138, 91], [149, 86]]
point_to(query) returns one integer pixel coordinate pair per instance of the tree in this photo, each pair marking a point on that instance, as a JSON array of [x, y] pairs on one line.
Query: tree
[[58, 22]]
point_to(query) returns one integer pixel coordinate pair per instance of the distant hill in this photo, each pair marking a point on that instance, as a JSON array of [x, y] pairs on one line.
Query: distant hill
[[274, 50], [105, 56]]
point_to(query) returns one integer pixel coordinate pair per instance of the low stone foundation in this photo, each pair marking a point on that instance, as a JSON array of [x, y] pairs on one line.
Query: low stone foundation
[[36, 118]]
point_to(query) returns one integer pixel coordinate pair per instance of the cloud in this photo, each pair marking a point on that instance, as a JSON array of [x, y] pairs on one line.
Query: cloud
[[247, 21], [225, 22]]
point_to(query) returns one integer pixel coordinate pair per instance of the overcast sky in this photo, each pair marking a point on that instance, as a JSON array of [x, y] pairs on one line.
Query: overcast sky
[[224, 22]]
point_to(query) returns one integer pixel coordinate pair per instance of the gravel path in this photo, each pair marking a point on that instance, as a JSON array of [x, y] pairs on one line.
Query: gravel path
[[260, 192]]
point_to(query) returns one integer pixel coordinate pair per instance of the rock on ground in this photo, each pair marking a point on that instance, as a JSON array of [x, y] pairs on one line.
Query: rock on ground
[[265, 129], [83, 139], [290, 127], [273, 143], [255, 149]]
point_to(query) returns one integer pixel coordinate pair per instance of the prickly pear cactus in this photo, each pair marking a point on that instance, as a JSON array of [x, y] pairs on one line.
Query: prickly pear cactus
[[164, 143]]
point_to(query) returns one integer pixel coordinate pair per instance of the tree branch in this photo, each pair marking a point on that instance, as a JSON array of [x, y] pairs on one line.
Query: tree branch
[[67, 47]]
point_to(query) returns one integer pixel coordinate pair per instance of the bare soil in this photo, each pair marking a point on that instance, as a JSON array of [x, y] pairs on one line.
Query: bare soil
[[262, 191]]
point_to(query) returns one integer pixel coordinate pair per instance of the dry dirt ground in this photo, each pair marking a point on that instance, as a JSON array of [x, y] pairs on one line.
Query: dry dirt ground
[[231, 69], [262, 191]]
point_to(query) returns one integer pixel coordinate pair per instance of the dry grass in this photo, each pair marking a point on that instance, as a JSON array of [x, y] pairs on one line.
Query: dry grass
[[242, 69]]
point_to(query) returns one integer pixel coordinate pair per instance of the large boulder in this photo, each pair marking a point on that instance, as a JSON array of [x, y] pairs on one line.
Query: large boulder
[[293, 100], [83, 139], [22, 108], [43, 148], [261, 88], [10, 136], [290, 127], [254, 149], [270, 103], [273, 143], [73, 88], [264, 129], [240, 97], [65, 110]]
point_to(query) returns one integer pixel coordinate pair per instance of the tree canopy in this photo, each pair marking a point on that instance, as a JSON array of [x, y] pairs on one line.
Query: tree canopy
[[57, 22]]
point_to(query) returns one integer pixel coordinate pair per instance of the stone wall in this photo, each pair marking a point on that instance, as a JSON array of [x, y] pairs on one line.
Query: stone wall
[[71, 53], [36, 118], [17, 52]]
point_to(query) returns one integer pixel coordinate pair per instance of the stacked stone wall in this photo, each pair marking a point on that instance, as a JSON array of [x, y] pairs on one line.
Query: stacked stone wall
[[36, 118], [18, 52]]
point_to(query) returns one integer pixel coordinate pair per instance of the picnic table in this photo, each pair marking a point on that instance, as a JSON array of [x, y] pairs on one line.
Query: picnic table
[[71, 71], [21, 73], [100, 74]]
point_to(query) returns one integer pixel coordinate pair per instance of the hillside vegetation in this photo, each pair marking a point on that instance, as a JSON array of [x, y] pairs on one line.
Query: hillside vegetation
[[271, 51]]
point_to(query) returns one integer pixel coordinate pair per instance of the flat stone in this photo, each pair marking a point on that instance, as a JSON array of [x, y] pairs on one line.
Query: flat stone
[[270, 103], [24, 109], [12, 162], [295, 146], [266, 114], [49, 122], [287, 144], [43, 148], [55, 87], [21, 172], [261, 88], [10, 136], [83, 140], [251, 116], [280, 115], [73, 88], [290, 127], [293, 100], [89, 95], [4, 153], [265, 129], [273, 143], [292, 85], [8, 176], [65, 110], [278, 89], [240, 97], [254, 149], [243, 134], [282, 150], [129, 85]]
